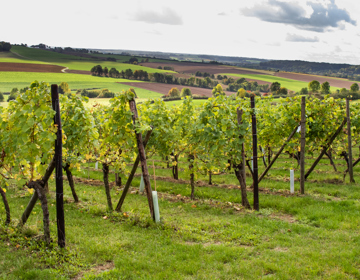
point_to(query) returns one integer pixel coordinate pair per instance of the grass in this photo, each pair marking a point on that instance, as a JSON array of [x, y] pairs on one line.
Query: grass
[[293, 85], [9, 80], [210, 241], [312, 236]]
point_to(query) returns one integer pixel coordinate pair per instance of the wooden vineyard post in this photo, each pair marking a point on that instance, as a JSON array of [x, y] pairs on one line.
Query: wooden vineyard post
[[242, 173], [302, 146], [58, 167], [142, 157], [351, 173], [255, 162], [131, 176]]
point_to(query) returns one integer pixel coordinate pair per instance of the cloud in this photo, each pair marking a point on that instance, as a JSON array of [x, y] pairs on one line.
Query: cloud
[[154, 32], [338, 49], [167, 16], [221, 14], [299, 38], [321, 19]]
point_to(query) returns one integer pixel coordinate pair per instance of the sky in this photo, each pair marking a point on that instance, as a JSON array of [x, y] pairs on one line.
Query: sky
[[311, 30]]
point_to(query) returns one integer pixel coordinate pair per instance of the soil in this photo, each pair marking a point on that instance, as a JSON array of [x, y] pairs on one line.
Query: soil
[[191, 68], [341, 83], [30, 67]]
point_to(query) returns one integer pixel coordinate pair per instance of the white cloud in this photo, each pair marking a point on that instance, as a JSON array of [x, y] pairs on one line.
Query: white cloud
[[167, 16]]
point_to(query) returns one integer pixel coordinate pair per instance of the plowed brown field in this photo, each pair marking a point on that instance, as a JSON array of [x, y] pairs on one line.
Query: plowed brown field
[[188, 67], [341, 83], [29, 67]]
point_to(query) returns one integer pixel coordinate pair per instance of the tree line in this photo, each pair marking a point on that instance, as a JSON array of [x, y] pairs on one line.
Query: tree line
[[98, 70], [5, 46], [347, 71]]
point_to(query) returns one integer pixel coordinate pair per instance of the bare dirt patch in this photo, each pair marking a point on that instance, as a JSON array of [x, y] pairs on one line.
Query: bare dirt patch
[[341, 83], [30, 67], [97, 269], [165, 88]]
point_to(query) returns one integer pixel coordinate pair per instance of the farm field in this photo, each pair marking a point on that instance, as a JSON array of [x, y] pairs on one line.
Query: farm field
[[290, 84], [36, 64], [9, 80], [191, 68], [70, 61]]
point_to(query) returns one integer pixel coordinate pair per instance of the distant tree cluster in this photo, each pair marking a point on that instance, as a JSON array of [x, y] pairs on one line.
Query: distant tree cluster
[[104, 93], [5, 46], [192, 81], [98, 70], [347, 71], [235, 85], [174, 92], [204, 74]]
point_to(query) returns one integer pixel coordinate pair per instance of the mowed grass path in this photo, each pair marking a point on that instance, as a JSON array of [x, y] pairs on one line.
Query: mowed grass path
[[293, 85]]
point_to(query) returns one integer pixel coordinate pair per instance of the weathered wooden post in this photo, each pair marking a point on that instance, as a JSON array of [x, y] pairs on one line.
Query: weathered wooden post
[[255, 160], [351, 173], [302, 146], [142, 157], [60, 219]]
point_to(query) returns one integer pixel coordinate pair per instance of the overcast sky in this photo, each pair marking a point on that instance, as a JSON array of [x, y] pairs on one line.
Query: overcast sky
[[313, 30]]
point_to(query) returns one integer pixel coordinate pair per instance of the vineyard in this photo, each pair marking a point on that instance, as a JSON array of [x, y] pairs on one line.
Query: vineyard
[[200, 157]]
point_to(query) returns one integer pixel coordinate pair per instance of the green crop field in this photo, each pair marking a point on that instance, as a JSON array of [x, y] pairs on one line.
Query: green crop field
[[288, 83], [10, 80]]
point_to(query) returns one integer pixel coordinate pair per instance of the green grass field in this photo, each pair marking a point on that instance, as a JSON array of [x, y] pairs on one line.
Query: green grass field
[[9, 80], [311, 236], [288, 83]]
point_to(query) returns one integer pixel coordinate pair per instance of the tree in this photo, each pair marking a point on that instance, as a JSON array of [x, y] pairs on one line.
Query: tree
[[174, 92], [93, 71], [1, 97], [218, 90], [275, 86], [354, 87], [314, 86], [304, 91], [14, 90], [113, 72], [343, 90], [64, 88], [97, 70], [106, 71], [219, 77], [169, 79], [133, 59], [186, 92], [128, 73], [325, 88], [282, 91], [241, 92], [5, 46]]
